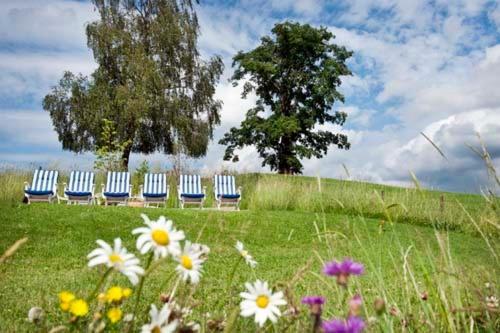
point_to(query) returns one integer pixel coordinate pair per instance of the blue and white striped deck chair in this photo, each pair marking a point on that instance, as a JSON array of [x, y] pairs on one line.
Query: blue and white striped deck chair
[[190, 190], [155, 189], [225, 191], [118, 188], [43, 187], [80, 188]]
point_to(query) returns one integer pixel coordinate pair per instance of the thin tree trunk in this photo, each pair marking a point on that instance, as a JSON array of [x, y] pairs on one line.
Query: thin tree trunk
[[285, 151], [126, 157]]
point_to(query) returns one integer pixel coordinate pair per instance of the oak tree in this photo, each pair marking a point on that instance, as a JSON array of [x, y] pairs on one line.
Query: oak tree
[[295, 75]]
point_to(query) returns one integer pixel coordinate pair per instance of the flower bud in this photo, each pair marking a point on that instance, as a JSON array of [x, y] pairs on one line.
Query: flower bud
[[394, 311], [379, 305], [355, 305]]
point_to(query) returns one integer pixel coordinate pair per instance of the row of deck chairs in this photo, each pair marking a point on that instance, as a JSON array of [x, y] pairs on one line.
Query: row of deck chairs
[[118, 190]]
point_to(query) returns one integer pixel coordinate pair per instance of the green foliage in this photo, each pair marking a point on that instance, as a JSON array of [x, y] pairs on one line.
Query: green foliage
[[295, 76], [142, 169], [109, 154], [150, 81]]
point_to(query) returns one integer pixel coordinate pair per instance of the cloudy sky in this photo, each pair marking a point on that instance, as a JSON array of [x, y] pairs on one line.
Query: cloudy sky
[[419, 66]]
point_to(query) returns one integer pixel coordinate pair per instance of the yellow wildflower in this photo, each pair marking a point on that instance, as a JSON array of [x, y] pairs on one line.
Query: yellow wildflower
[[127, 292], [65, 298], [64, 306], [114, 294], [114, 315], [79, 308], [101, 297]]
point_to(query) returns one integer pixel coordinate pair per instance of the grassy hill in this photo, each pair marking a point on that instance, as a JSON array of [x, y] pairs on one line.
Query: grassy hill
[[444, 210], [433, 263]]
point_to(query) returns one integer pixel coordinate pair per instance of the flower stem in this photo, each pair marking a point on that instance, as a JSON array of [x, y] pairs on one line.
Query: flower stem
[[139, 290], [233, 271], [174, 289], [316, 322], [99, 284]]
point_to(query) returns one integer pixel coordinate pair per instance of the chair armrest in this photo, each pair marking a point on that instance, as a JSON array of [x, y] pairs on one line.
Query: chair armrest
[[65, 186], [26, 185], [179, 191], [205, 190], [130, 189], [240, 189], [102, 189]]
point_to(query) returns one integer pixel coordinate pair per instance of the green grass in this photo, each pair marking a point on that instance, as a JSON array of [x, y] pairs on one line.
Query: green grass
[[308, 194], [402, 260]]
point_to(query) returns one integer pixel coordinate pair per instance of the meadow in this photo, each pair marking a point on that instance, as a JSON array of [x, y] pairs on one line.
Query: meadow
[[431, 257]]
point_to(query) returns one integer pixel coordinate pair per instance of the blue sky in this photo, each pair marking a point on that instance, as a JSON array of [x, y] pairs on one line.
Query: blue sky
[[419, 66]]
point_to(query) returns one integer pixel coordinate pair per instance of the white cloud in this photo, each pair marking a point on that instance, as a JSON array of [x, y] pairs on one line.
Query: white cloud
[[301, 7], [451, 135], [48, 23], [24, 127], [34, 73], [357, 116]]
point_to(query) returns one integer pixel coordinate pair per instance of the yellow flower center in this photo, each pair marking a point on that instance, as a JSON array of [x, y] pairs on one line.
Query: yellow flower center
[[115, 258], [244, 253], [156, 329], [262, 301], [186, 262], [160, 237]]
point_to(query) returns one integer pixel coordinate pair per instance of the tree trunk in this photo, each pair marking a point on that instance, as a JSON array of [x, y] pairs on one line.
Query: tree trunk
[[126, 157], [284, 170], [284, 152]]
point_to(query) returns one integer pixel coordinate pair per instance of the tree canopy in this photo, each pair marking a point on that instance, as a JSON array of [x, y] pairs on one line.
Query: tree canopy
[[295, 75], [150, 82]]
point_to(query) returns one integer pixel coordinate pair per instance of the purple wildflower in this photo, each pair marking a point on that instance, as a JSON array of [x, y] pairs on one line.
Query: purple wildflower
[[315, 304], [313, 300], [342, 270], [351, 325]]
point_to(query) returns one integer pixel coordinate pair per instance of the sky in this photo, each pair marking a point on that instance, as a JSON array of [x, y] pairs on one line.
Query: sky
[[419, 66]]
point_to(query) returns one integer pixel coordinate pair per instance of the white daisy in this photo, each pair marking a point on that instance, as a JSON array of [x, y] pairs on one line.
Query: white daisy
[[244, 253], [259, 301], [159, 236], [159, 321], [118, 258], [190, 262], [202, 248]]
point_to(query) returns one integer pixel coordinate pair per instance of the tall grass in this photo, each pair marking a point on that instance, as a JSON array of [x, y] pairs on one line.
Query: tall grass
[[389, 204], [452, 211], [422, 286]]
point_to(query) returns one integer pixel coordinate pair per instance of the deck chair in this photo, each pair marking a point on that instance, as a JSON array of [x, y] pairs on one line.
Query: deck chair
[[80, 189], [43, 187], [118, 188], [190, 190], [225, 191], [155, 189]]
